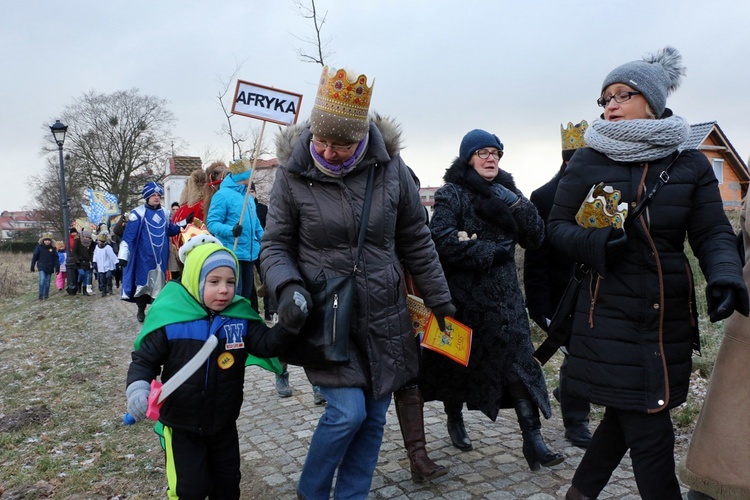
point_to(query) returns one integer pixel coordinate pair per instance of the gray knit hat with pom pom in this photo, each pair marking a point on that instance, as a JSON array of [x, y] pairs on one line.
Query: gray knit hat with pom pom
[[656, 76]]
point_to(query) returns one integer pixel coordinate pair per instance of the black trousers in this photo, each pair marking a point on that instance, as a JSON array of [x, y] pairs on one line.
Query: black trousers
[[246, 283], [650, 438], [202, 466]]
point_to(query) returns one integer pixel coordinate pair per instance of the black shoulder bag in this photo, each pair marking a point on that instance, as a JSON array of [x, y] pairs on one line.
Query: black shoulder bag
[[323, 341], [561, 323]]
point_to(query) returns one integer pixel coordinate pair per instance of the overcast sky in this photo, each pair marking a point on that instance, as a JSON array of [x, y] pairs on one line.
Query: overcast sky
[[519, 69]]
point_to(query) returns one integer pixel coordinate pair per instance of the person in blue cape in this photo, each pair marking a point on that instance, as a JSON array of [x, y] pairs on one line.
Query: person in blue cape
[[144, 249], [198, 421]]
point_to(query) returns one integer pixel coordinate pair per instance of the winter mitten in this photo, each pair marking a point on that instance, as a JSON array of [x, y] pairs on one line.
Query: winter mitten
[[441, 311], [236, 230], [294, 304], [137, 394]]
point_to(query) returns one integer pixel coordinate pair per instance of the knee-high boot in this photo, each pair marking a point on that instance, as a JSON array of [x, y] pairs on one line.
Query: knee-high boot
[[410, 412], [456, 429], [535, 450]]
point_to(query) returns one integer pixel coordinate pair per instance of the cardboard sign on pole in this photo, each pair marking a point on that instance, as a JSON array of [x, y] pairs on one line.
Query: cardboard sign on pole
[[266, 103], [270, 105]]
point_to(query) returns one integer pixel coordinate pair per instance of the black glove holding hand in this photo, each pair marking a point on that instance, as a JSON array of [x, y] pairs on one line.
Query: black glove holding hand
[[504, 252], [441, 311], [123, 263], [294, 306], [236, 230], [723, 299], [616, 244]]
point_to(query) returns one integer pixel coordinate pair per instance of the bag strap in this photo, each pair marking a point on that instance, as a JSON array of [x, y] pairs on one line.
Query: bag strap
[[365, 214], [643, 205]]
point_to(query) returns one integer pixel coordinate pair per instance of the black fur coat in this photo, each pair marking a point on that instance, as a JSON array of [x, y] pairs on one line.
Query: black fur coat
[[485, 291]]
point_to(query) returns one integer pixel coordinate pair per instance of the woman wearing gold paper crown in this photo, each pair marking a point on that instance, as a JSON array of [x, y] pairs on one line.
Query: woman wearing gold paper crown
[[479, 216], [635, 322], [314, 217]]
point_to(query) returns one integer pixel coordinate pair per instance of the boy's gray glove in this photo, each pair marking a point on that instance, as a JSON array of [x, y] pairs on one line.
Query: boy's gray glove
[[137, 394], [294, 303]]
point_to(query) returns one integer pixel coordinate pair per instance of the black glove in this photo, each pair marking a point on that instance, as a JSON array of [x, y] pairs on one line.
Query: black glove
[[237, 230], [504, 252], [616, 244], [123, 263], [294, 306], [495, 211], [721, 302], [505, 194], [190, 218], [441, 312]]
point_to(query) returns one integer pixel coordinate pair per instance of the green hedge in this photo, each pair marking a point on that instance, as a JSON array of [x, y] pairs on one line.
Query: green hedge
[[17, 246]]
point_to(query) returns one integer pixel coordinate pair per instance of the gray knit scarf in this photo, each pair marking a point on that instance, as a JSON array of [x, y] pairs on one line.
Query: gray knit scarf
[[637, 140]]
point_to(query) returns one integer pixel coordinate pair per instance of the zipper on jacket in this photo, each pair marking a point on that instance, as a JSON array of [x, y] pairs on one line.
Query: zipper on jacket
[[335, 315], [594, 296], [689, 272]]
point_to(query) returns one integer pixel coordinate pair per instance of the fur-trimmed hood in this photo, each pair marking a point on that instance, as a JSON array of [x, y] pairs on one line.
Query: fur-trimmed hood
[[288, 138], [456, 174]]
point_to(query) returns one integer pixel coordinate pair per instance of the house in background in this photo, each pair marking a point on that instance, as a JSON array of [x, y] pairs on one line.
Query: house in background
[[731, 171], [176, 174], [23, 222]]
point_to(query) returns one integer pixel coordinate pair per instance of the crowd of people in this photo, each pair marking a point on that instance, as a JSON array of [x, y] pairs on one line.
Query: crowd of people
[[344, 204]]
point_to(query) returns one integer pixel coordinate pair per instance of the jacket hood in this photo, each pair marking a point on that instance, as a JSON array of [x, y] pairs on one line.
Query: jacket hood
[[456, 174], [231, 181], [194, 263], [387, 129]]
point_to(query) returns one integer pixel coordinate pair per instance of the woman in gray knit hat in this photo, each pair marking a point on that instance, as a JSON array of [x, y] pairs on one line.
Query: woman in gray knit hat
[[636, 323]]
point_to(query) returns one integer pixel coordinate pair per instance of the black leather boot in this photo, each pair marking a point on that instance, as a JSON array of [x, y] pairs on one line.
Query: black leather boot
[[535, 450], [456, 429], [575, 411], [409, 410]]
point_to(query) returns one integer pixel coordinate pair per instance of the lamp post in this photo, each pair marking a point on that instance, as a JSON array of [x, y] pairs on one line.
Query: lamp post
[[59, 130]]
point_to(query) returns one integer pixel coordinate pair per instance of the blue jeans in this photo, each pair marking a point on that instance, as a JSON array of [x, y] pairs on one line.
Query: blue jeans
[[348, 438], [44, 279], [84, 276]]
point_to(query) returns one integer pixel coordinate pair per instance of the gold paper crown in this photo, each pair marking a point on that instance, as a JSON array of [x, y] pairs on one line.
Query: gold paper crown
[[239, 166], [572, 137], [340, 96]]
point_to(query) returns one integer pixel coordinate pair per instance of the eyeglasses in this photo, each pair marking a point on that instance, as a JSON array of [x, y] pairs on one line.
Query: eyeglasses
[[619, 98], [335, 148], [485, 153]]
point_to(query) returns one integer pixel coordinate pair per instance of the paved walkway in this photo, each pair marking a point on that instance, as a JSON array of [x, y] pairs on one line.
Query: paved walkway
[[275, 433]]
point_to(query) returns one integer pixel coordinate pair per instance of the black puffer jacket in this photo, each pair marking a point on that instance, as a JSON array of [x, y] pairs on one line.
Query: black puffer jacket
[[636, 322], [311, 233], [487, 296]]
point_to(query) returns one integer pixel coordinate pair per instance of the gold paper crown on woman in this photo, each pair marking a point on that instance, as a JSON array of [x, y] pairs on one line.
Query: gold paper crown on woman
[[572, 137], [339, 95]]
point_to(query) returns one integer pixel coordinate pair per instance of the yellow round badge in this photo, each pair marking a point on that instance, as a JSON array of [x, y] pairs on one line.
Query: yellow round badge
[[225, 361]]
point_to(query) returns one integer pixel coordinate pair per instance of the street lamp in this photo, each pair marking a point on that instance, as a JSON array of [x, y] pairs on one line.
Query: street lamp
[[58, 130]]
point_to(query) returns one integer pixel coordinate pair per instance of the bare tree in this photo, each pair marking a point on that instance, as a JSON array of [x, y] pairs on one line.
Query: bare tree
[[47, 201], [320, 44], [117, 141]]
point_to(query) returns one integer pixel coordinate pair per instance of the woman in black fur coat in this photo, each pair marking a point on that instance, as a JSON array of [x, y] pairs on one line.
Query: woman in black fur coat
[[479, 216]]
